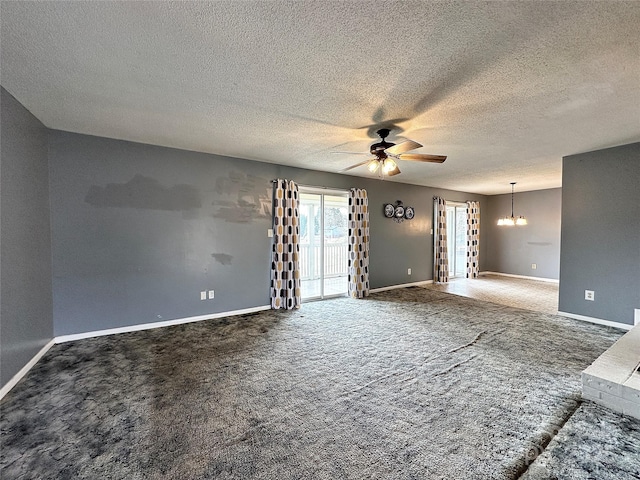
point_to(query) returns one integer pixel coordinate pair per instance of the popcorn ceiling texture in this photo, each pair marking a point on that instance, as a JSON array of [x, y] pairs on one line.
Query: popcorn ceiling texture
[[407, 383], [505, 89]]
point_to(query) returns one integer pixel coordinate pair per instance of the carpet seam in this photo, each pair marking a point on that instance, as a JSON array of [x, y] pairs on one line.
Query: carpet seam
[[544, 447]]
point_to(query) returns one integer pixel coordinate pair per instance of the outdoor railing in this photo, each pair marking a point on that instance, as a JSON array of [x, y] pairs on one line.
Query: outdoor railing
[[335, 260]]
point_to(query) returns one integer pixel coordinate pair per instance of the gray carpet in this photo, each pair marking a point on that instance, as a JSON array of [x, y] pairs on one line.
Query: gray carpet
[[407, 384], [586, 447]]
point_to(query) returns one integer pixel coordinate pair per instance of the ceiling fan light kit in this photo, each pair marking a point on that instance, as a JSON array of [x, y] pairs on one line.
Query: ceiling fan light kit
[[388, 166], [386, 154], [512, 220]]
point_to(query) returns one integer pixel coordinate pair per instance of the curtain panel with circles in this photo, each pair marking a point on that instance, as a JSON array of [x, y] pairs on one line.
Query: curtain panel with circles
[[285, 252], [473, 239], [440, 255], [358, 243]]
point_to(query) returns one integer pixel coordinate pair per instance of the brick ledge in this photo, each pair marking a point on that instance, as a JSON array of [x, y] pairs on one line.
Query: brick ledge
[[613, 379]]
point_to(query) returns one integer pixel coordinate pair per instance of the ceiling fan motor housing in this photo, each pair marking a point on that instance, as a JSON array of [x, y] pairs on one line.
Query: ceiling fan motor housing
[[378, 149]]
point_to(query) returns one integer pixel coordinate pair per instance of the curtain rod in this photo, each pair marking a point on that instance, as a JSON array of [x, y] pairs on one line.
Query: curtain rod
[[314, 186], [435, 197]]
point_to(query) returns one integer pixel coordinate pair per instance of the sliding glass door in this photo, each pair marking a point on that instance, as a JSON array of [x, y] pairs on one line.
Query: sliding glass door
[[457, 239], [324, 243]]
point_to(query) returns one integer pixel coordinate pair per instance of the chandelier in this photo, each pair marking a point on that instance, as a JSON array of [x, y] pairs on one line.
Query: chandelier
[[512, 220]]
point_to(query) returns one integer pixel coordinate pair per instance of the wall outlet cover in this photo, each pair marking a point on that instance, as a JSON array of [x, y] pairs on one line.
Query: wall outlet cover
[[589, 295], [534, 266], [408, 271], [211, 294], [203, 295]]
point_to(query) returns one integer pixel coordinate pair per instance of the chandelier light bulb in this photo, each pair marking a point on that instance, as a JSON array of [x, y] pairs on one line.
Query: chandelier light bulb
[[512, 220], [389, 165]]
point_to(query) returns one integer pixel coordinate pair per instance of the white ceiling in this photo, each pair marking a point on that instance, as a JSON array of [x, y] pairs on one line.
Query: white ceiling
[[505, 89]]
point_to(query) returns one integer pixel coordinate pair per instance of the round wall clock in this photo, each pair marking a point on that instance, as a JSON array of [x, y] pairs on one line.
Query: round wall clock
[[389, 210], [409, 213], [399, 212]]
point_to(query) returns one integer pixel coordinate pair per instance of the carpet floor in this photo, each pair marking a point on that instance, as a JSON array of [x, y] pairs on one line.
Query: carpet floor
[[588, 445], [407, 384]]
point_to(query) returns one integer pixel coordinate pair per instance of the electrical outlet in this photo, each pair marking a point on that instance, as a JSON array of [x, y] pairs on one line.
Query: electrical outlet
[[211, 294], [408, 271], [203, 295], [534, 266], [589, 295], [270, 232]]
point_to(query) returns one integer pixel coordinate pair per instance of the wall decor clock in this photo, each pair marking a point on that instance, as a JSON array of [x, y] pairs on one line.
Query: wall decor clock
[[409, 213], [389, 210], [398, 212]]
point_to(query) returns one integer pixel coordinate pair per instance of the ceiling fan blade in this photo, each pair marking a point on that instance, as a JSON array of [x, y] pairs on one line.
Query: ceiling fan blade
[[356, 165], [422, 157], [393, 172], [403, 147]]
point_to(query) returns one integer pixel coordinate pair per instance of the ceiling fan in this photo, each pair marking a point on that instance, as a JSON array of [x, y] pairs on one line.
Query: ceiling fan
[[386, 153]]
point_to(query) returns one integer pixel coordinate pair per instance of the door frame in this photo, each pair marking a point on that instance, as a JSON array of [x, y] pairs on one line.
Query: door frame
[[322, 191], [452, 255]]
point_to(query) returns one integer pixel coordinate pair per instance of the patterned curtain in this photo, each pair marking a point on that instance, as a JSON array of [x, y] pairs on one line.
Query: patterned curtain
[[285, 253], [440, 256], [358, 243], [473, 239]]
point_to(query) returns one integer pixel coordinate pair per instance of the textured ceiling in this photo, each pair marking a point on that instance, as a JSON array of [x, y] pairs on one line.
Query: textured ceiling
[[505, 89]]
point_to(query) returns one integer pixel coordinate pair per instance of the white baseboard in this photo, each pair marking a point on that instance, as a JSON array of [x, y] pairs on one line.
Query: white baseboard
[[404, 285], [599, 321], [541, 279], [23, 371], [148, 326]]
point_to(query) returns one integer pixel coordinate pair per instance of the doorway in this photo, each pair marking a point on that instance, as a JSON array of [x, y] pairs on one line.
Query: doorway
[[324, 243], [457, 238]]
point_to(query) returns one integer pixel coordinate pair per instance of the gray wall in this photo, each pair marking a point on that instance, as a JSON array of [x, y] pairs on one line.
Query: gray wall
[[136, 229], [600, 248], [513, 249], [26, 323]]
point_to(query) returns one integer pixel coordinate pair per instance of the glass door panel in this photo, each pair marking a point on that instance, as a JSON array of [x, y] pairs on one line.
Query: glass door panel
[[451, 239], [310, 243], [323, 244], [457, 239], [336, 244], [461, 242]]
